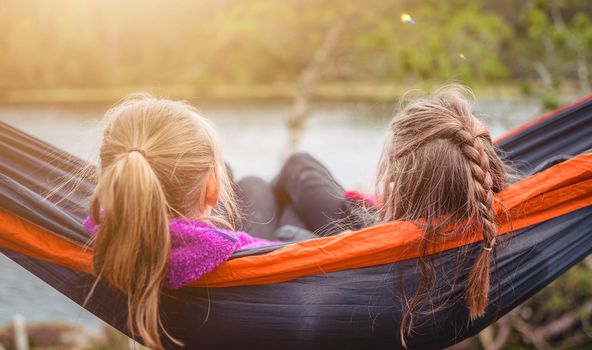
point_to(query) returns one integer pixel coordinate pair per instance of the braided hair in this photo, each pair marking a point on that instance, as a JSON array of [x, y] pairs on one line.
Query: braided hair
[[439, 168]]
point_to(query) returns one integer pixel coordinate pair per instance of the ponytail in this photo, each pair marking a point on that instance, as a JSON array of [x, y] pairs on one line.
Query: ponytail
[[133, 242]]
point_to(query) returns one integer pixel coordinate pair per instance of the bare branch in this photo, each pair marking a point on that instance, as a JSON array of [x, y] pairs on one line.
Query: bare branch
[[528, 333], [544, 74], [564, 322], [574, 44], [503, 335], [309, 79]]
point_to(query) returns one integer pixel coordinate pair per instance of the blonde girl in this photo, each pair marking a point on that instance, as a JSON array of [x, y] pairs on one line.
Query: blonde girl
[[160, 175]]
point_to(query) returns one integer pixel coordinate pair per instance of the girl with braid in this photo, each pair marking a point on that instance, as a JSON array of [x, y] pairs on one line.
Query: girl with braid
[[438, 168]]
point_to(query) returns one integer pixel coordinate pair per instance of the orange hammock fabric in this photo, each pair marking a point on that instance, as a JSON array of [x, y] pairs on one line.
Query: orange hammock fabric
[[558, 190]]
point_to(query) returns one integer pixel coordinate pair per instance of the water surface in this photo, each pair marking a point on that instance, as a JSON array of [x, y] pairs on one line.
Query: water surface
[[346, 137]]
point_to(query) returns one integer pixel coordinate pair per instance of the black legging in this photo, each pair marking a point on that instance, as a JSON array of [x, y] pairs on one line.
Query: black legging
[[303, 195], [306, 189], [259, 210]]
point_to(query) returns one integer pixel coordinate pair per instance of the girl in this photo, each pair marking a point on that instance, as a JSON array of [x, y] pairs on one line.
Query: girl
[[438, 168], [161, 173]]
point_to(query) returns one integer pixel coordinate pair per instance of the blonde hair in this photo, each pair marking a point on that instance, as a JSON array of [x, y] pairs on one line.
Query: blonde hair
[[155, 160], [440, 169]]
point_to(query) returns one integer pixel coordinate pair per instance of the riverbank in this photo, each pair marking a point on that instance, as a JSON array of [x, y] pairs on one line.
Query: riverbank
[[61, 335], [337, 91]]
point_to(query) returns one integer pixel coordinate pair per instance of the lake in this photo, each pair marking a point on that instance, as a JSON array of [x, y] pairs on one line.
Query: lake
[[347, 137]]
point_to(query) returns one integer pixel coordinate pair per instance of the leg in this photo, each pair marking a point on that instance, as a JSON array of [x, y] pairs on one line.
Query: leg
[[290, 233], [308, 186], [259, 210], [290, 217]]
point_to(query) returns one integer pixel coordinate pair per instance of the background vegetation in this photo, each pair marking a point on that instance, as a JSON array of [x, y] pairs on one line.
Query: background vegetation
[[262, 48]]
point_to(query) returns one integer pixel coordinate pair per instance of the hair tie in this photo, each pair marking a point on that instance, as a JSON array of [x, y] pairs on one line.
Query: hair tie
[[488, 249], [136, 149]]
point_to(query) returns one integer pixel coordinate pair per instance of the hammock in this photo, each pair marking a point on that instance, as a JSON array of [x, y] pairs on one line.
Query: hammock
[[342, 291]]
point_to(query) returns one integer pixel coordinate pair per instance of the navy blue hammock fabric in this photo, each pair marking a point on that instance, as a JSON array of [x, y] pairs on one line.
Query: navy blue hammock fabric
[[349, 309]]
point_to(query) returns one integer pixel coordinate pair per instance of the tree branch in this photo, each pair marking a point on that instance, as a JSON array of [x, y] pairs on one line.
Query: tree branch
[[502, 336], [309, 79], [529, 334], [574, 44], [563, 323]]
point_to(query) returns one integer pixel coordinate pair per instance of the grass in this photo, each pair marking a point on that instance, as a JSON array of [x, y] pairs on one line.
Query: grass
[[64, 336], [331, 91]]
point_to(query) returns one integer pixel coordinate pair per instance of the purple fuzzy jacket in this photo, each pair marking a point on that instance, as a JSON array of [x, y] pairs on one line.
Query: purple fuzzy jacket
[[197, 248]]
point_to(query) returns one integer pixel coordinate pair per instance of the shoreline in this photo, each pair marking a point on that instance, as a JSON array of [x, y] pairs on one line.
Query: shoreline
[[327, 92]]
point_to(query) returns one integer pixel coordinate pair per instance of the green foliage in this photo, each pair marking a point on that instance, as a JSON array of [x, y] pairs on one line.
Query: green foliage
[[569, 293], [74, 44], [550, 101]]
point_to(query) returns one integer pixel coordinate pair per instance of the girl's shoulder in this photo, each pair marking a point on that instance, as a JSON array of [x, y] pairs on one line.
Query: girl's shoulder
[[197, 247], [185, 231], [90, 225]]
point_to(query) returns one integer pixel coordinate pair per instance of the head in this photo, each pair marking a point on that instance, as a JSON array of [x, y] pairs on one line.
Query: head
[[158, 159], [440, 169]]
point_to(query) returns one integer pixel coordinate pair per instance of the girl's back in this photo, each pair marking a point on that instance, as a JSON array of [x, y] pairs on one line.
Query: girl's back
[[161, 172]]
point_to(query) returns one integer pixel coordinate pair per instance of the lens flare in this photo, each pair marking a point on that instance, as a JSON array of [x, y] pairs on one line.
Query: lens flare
[[406, 18]]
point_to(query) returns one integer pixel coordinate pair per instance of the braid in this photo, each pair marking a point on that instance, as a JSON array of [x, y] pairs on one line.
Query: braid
[[473, 148], [439, 169]]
